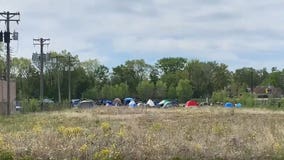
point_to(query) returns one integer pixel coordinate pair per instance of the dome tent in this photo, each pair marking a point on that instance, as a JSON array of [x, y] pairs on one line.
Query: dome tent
[[191, 103], [127, 100], [229, 105], [167, 104], [117, 102], [132, 104], [238, 105]]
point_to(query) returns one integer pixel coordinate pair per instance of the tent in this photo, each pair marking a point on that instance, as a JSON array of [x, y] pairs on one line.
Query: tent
[[238, 105], [161, 103], [105, 102], [150, 103], [117, 102], [167, 104], [132, 104], [228, 105], [191, 103], [86, 104], [75, 102], [126, 101]]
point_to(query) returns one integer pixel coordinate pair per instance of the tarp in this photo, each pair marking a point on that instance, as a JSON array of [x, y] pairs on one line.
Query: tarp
[[150, 103], [132, 104], [228, 105], [191, 103]]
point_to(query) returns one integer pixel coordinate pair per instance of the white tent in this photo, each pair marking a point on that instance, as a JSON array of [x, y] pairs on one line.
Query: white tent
[[132, 104], [150, 103]]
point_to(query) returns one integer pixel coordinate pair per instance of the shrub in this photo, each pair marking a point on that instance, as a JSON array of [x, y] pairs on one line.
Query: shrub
[[31, 105]]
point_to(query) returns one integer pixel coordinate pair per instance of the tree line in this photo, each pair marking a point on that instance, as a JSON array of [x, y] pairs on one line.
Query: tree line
[[171, 77]]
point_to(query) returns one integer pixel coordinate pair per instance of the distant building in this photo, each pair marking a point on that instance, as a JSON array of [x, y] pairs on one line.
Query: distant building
[[265, 92], [3, 97]]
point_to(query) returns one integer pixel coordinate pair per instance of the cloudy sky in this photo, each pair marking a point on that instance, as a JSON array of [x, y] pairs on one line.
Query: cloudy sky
[[239, 33]]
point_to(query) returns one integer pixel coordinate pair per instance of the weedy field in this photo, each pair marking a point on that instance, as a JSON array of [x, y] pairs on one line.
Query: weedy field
[[124, 133]]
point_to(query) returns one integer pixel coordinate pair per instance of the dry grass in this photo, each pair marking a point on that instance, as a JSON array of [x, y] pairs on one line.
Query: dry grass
[[123, 133]]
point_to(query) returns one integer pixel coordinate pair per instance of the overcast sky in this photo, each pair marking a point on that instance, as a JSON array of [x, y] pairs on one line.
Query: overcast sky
[[239, 33]]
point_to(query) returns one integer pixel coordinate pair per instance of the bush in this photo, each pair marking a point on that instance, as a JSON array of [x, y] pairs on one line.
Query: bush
[[247, 99], [31, 105], [219, 96]]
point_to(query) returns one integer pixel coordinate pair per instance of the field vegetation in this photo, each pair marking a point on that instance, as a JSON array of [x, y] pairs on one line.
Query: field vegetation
[[123, 133]]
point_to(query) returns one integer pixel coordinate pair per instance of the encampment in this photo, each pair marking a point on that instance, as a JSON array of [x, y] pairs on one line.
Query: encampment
[[191, 103]]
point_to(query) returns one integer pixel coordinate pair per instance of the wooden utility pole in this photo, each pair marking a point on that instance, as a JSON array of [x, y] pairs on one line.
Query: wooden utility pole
[[41, 42], [8, 17]]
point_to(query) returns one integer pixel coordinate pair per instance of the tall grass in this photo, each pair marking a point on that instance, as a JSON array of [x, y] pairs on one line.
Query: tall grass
[[123, 133]]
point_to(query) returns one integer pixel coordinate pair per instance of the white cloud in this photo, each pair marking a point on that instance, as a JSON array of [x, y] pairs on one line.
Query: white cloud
[[221, 30]]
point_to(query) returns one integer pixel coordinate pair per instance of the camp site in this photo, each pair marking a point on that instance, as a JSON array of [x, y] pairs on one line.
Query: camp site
[[141, 80]]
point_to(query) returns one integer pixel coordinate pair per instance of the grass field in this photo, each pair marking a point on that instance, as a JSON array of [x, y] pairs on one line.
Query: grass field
[[124, 133]]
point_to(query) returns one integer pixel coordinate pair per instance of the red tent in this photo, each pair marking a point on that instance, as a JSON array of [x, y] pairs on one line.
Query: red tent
[[191, 103]]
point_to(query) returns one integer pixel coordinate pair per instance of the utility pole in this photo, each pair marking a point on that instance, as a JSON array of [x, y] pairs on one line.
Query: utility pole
[[69, 68], [69, 79], [8, 17], [41, 42], [55, 60], [58, 82]]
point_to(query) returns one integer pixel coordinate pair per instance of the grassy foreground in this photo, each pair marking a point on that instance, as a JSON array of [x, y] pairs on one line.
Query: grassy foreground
[[123, 133]]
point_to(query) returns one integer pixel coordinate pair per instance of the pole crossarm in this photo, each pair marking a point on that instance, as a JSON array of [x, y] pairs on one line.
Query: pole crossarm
[[8, 16]]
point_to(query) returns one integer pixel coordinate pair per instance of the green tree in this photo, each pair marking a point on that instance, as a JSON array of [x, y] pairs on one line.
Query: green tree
[[145, 89], [184, 90], [172, 92], [220, 77], [247, 78], [131, 73], [199, 74], [120, 90], [26, 77], [107, 91], [167, 65], [154, 75], [160, 90]]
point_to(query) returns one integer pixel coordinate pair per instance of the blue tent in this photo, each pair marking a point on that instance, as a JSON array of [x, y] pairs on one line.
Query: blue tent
[[238, 105], [228, 105], [126, 101]]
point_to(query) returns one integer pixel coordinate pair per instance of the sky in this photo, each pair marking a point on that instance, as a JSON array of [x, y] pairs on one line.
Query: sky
[[238, 33]]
